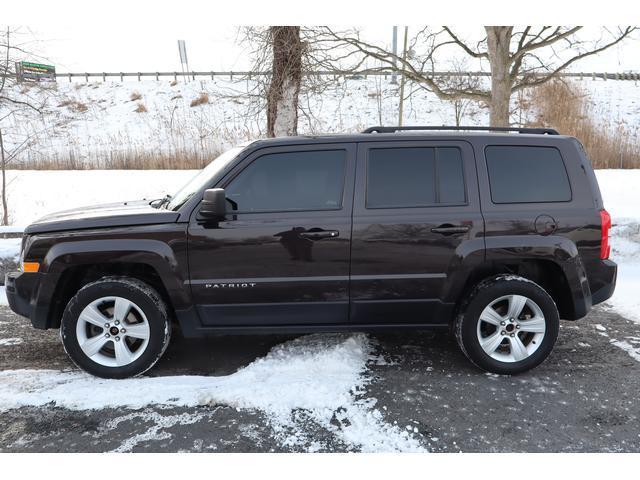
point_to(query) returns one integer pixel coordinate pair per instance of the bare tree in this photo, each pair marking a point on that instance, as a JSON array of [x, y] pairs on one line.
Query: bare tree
[[286, 74], [12, 103], [285, 59], [518, 58]]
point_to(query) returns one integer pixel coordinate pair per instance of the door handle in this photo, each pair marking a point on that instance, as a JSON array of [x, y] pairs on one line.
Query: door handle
[[451, 229], [318, 234]]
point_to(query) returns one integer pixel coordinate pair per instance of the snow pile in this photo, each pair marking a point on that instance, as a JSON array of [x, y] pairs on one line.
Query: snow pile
[[320, 377]]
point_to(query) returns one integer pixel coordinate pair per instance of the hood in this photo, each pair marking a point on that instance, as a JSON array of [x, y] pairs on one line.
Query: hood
[[99, 216]]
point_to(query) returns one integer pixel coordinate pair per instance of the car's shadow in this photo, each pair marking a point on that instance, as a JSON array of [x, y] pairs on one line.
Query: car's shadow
[[216, 355], [225, 355]]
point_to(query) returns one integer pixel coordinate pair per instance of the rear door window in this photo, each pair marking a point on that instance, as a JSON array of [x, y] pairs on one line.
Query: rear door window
[[523, 174], [414, 177]]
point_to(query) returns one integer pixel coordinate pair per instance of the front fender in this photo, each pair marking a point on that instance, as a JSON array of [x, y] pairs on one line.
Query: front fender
[[153, 253]]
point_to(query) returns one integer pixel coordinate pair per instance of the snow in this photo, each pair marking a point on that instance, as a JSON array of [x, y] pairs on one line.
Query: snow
[[323, 375], [621, 197], [35, 193], [108, 123], [10, 247]]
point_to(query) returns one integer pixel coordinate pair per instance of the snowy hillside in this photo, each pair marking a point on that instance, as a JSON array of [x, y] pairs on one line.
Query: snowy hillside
[[92, 121]]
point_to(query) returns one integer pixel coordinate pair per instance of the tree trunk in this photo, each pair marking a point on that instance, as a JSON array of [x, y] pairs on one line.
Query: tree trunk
[[284, 90], [5, 207], [498, 42]]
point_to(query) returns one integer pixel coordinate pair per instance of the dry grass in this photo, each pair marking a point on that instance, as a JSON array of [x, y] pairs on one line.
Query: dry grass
[[127, 160], [202, 99], [135, 96], [566, 107], [141, 108], [74, 105]]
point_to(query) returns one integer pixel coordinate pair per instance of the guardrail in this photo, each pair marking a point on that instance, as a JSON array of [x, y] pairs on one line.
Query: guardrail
[[336, 73]]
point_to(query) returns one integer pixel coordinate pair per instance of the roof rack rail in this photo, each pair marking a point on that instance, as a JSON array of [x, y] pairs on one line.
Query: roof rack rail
[[538, 131]]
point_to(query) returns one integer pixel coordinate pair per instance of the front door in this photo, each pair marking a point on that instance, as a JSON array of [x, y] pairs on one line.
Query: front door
[[282, 254], [415, 208]]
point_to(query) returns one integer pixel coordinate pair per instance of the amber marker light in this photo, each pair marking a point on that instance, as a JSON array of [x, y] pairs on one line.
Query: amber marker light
[[30, 267]]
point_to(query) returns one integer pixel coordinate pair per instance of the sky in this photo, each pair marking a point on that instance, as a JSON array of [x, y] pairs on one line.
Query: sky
[[152, 46]]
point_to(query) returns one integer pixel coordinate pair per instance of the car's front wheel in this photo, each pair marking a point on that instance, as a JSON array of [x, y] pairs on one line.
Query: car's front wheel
[[507, 325], [115, 327]]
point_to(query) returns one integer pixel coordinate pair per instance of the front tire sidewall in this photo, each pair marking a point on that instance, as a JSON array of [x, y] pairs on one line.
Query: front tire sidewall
[[140, 294], [467, 329]]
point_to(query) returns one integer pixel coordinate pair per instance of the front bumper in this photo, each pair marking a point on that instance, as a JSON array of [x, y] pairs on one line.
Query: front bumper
[[25, 296], [19, 290]]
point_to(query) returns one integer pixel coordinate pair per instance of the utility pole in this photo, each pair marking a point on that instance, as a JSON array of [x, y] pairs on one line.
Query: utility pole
[[182, 49], [402, 81], [394, 49]]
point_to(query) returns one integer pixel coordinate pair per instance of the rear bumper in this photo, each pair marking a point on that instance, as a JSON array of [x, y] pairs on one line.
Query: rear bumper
[[604, 283]]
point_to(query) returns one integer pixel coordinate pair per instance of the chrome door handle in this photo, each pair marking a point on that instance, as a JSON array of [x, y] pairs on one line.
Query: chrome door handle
[[317, 235], [451, 229]]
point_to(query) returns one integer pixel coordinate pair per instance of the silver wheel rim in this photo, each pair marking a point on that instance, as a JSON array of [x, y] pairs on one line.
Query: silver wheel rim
[[113, 331], [511, 328]]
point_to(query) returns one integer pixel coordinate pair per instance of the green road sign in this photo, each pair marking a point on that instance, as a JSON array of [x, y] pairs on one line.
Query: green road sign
[[35, 72]]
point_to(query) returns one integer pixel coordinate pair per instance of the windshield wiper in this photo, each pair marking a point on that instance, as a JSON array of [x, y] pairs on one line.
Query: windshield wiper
[[160, 202]]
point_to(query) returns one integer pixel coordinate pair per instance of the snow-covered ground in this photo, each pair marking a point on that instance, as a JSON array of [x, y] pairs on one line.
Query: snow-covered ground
[[622, 199], [322, 375], [34, 193], [92, 121]]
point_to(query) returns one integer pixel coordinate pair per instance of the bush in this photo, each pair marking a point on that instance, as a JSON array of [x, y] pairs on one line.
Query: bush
[[74, 105], [566, 107], [202, 99], [141, 108]]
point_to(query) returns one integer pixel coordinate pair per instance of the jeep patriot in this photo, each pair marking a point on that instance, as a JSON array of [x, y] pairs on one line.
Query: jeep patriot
[[493, 234]]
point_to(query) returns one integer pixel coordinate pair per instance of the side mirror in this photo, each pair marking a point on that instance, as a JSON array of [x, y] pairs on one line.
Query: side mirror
[[213, 204]]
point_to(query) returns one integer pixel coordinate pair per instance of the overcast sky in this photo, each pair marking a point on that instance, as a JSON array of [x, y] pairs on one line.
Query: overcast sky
[[152, 46]]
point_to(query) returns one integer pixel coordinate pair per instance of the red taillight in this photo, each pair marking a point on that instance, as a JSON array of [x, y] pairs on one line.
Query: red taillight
[[605, 226]]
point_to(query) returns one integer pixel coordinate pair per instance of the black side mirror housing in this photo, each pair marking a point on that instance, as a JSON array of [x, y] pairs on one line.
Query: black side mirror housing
[[213, 204]]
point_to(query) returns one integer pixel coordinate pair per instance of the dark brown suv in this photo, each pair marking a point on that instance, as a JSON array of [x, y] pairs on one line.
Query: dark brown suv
[[495, 235]]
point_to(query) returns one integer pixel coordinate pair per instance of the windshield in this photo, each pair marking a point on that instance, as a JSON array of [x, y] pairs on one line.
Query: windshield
[[202, 178]]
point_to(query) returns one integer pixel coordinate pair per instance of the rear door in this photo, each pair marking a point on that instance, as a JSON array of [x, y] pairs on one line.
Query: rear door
[[416, 203], [282, 254]]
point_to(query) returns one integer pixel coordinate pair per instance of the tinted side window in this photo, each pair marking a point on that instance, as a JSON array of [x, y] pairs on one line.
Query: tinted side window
[[414, 176], [450, 175], [290, 181], [520, 174]]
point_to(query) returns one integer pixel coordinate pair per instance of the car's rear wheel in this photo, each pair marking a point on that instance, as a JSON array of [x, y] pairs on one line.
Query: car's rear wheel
[[115, 327], [507, 325]]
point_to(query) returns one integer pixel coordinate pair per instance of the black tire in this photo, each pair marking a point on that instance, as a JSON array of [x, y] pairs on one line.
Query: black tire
[[145, 298], [486, 292]]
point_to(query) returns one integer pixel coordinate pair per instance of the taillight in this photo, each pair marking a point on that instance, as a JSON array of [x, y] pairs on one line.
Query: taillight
[[605, 226]]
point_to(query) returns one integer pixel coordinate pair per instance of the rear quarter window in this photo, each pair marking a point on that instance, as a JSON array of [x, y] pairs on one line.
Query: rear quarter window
[[523, 174]]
